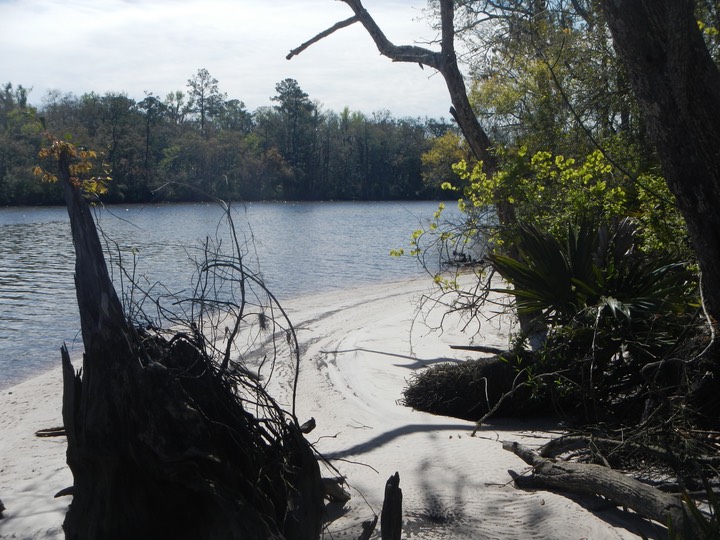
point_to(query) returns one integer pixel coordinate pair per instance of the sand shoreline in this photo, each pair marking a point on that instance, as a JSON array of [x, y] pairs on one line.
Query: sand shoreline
[[357, 353]]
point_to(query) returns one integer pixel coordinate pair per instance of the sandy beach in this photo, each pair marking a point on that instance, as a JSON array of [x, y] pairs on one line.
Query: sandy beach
[[358, 350]]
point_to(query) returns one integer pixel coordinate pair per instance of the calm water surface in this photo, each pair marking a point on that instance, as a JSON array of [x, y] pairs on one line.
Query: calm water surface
[[302, 248]]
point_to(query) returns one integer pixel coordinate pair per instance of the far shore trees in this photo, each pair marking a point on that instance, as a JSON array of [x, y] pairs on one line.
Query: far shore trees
[[206, 100], [199, 142]]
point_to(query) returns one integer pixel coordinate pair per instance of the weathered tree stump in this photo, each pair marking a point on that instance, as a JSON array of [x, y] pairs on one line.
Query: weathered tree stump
[[159, 444], [391, 515]]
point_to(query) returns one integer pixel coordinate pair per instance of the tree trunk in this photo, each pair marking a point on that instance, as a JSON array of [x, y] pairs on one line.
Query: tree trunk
[[677, 85], [93, 410], [446, 63]]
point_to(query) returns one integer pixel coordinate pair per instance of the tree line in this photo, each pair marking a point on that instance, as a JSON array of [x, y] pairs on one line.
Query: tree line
[[198, 142]]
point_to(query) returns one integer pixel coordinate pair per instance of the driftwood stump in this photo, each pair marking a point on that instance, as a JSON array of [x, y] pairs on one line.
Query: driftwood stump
[[158, 443], [391, 516]]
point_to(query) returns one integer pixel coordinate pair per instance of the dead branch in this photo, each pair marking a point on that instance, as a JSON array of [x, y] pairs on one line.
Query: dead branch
[[445, 61], [51, 432], [322, 35], [396, 53], [590, 479], [515, 387]]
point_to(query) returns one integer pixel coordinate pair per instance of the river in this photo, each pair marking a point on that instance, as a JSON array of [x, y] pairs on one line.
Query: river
[[299, 248]]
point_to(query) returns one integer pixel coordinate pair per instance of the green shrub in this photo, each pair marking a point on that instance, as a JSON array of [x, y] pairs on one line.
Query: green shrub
[[609, 308]]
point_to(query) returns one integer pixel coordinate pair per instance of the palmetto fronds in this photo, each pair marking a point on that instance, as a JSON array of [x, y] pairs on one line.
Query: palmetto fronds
[[609, 308]]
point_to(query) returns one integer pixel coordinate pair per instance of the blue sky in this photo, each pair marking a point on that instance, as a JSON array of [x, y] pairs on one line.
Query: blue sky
[[156, 45]]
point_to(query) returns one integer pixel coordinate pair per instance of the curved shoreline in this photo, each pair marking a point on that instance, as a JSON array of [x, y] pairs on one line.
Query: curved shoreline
[[357, 352]]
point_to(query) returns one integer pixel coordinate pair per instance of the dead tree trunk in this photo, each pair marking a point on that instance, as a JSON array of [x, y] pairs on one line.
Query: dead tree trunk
[[94, 407], [158, 443]]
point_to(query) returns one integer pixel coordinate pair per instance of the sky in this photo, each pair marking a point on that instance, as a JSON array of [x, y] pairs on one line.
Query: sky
[[134, 46]]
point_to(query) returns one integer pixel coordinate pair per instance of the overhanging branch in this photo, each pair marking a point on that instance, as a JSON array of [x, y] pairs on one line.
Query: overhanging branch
[[396, 53], [322, 35]]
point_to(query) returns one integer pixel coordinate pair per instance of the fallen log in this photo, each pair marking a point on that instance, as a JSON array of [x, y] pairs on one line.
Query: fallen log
[[590, 479]]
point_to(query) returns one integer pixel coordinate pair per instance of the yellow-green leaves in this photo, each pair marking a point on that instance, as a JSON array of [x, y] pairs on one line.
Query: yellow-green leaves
[[82, 163], [478, 189], [545, 186], [589, 187], [437, 162], [446, 283], [708, 30], [551, 190], [447, 186]]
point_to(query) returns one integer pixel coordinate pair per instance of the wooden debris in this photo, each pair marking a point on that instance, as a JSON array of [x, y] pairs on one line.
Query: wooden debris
[[334, 490], [368, 528], [51, 432], [391, 516], [591, 479], [308, 426]]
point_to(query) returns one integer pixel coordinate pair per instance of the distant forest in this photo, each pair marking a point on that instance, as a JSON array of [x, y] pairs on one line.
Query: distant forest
[[197, 143]]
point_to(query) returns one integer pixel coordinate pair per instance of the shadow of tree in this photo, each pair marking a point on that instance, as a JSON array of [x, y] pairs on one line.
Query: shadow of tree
[[393, 434], [417, 363]]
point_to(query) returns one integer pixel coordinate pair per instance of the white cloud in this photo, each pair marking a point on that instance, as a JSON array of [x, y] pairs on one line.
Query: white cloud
[[156, 45]]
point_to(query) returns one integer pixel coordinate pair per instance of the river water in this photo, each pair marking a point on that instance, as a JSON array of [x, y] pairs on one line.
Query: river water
[[299, 248]]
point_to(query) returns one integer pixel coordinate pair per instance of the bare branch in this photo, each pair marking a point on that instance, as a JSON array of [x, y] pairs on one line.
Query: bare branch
[[445, 61], [396, 53], [322, 35]]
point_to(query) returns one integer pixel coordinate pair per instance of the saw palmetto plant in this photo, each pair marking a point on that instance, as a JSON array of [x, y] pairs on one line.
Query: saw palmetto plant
[[609, 309]]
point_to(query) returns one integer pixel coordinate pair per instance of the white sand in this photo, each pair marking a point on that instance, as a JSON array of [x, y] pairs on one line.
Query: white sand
[[357, 355]]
